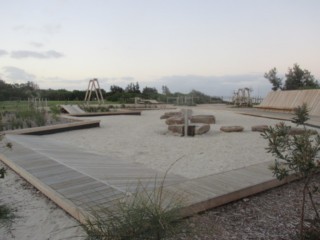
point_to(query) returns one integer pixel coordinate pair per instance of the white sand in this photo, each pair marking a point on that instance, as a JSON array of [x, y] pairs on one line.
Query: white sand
[[145, 139], [36, 217]]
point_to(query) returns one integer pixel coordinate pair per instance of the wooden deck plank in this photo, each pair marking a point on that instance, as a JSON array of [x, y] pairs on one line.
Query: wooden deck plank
[[88, 191], [79, 185]]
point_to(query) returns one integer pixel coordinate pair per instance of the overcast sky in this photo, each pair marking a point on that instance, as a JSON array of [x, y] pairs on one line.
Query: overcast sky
[[215, 46]]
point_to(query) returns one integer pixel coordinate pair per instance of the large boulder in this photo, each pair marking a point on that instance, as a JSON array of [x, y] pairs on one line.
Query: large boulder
[[206, 119], [231, 129], [170, 114], [202, 129], [176, 129], [259, 128], [180, 129], [174, 120], [300, 131]]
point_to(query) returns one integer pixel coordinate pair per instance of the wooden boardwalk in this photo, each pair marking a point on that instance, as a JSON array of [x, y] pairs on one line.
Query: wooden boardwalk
[[79, 180]]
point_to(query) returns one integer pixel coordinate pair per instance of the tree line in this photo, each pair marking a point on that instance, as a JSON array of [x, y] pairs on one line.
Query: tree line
[[116, 93], [296, 79]]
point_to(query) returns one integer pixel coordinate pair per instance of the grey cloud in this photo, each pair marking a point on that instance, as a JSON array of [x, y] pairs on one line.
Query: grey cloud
[[36, 44], [51, 29], [18, 74], [53, 54], [3, 52], [33, 54]]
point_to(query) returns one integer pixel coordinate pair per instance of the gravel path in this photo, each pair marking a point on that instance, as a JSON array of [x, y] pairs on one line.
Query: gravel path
[[274, 214]]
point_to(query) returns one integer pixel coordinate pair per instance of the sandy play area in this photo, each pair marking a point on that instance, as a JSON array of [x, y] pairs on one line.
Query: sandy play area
[[145, 139]]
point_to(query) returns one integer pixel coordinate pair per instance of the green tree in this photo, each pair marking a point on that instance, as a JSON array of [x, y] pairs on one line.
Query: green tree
[[297, 155], [133, 88], [165, 90], [116, 89], [274, 79], [149, 92], [296, 78]]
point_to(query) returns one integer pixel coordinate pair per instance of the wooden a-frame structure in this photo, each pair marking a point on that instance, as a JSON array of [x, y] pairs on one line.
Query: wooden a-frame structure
[[94, 86]]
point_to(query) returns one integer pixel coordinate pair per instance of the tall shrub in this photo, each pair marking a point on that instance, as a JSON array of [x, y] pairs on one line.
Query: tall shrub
[[297, 154]]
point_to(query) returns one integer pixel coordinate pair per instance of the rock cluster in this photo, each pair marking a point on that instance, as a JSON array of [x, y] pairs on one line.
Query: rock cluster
[[200, 123]]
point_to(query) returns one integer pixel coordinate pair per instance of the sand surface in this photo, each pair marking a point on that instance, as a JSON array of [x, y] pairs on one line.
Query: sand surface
[[145, 139]]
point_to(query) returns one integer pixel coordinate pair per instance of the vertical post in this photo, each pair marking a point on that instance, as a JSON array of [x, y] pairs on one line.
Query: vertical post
[[186, 121], [186, 114]]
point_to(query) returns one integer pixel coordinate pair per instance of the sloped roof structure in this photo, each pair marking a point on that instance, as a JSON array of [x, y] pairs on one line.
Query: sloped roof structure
[[288, 100]]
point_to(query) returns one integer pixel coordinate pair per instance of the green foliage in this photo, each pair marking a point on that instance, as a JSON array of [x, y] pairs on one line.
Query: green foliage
[[87, 108], [133, 88], [12, 95], [274, 79], [296, 155], [3, 172], [18, 91], [149, 93], [116, 89], [296, 79], [165, 90], [301, 115], [55, 111], [6, 216], [140, 216], [24, 118]]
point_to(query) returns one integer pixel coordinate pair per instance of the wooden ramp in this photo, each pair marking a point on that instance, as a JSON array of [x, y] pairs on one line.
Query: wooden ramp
[[288, 100], [72, 109], [78, 180]]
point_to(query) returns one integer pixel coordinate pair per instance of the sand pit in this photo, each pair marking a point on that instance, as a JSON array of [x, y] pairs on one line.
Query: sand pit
[[145, 139]]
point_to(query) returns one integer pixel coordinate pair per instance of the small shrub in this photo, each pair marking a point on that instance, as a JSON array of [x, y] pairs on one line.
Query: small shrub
[[297, 155], [55, 111], [144, 214], [6, 216], [40, 118], [3, 172]]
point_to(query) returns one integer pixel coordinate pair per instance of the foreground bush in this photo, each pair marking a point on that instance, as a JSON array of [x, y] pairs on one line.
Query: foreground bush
[[298, 155], [141, 215]]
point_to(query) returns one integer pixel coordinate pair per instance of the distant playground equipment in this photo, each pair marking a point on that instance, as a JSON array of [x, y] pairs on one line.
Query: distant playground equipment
[[94, 86], [37, 102], [241, 97], [182, 100], [145, 101]]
